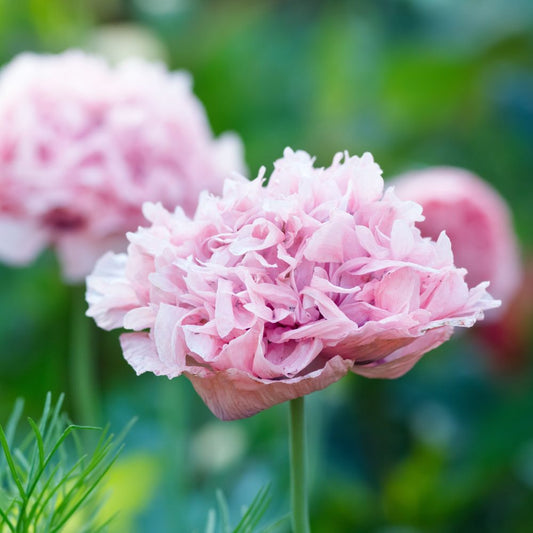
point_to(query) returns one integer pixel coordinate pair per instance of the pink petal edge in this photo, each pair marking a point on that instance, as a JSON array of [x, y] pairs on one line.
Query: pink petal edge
[[232, 394]]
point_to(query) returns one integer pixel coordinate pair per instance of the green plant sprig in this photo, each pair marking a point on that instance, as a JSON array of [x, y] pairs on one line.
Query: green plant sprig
[[250, 517], [48, 481]]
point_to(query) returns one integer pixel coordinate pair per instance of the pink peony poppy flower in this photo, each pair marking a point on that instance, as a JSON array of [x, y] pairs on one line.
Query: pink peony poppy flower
[[477, 221], [83, 145], [270, 293]]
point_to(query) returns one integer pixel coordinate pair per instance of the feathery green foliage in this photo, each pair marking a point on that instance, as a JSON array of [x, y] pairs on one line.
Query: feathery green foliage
[[48, 478], [251, 516]]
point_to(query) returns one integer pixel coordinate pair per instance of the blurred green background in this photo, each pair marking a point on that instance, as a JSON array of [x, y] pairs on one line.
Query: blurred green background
[[448, 447]]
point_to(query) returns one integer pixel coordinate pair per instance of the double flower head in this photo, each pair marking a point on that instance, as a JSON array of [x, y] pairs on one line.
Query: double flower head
[[270, 292]]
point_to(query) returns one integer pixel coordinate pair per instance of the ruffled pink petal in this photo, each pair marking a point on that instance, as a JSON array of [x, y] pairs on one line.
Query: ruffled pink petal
[[402, 360], [399, 291], [370, 347], [242, 351], [168, 337], [140, 352], [334, 241], [402, 240], [232, 394], [259, 235], [109, 294], [139, 318], [225, 318], [291, 357], [477, 220]]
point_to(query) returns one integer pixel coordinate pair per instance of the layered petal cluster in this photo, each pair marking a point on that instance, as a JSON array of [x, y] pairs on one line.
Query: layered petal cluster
[[271, 292], [477, 221], [84, 144]]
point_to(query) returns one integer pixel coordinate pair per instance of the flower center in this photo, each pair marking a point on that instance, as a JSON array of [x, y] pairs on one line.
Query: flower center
[[64, 220]]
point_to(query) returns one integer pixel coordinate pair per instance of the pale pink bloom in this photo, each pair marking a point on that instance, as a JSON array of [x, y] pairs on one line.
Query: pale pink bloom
[[84, 144], [477, 221], [270, 293]]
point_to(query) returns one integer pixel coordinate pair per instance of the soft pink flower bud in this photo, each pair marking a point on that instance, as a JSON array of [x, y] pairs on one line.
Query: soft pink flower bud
[[84, 144], [270, 293], [475, 218]]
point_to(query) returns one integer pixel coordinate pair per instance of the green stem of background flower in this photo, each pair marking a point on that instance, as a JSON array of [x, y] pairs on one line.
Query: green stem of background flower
[[298, 456], [82, 365]]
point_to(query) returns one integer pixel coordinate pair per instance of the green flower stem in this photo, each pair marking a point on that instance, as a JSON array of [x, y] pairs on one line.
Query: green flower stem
[[82, 364], [298, 455], [172, 393]]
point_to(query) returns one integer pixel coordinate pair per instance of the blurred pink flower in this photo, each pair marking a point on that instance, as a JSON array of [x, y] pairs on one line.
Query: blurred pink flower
[[270, 293], [508, 340], [477, 221], [83, 145]]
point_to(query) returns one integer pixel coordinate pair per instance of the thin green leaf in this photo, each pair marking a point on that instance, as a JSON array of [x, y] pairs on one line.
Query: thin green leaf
[[43, 491], [52, 421], [46, 410], [22, 461], [63, 481], [211, 521], [255, 512], [91, 467], [6, 521], [224, 511], [276, 524], [101, 527], [40, 443], [87, 492], [63, 436], [49, 457], [10, 434], [11, 464], [35, 455], [119, 439], [14, 420]]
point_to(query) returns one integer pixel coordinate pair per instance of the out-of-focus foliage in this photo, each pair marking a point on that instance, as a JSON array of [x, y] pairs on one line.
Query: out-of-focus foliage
[[250, 519], [48, 480], [447, 448]]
